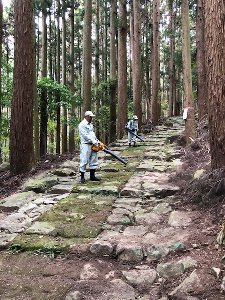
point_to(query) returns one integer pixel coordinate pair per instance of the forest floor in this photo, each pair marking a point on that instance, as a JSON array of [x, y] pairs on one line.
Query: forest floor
[[10, 184], [131, 273]]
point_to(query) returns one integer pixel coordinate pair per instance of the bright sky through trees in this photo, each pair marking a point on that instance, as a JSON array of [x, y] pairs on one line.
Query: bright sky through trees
[[6, 2]]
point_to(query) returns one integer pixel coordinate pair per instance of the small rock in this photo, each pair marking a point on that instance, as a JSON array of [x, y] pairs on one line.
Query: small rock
[[198, 173], [170, 270], [89, 272], [188, 262], [75, 295], [191, 284], [110, 275], [179, 219], [131, 252], [141, 278], [148, 218], [119, 291], [216, 272], [101, 248]]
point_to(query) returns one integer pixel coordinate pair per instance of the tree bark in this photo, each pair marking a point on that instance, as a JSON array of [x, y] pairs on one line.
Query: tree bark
[[172, 77], [87, 56], [155, 64], [113, 75], [200, 61], [215, 66], [97, 68], [137, 75], [64, 66], [1, 40], [122, 70], [43, 100], [71, 70], [190, 125], [21, 131], [58, 109]]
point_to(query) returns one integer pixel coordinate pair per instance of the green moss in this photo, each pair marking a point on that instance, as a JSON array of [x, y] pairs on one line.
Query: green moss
[[40, 185], [76, 220], [121, 177], [79, 230], [75, 217], [110, 184], [134, 151], [116, 167], [51, 246]]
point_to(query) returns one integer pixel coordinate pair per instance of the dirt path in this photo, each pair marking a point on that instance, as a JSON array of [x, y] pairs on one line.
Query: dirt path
[[124, 238]]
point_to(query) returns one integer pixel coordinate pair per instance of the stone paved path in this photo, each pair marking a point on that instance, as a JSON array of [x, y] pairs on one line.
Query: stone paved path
[[127, 217]]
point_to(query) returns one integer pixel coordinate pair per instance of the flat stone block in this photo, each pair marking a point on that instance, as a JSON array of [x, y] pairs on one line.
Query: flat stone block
[[16, 201], [44, 228]]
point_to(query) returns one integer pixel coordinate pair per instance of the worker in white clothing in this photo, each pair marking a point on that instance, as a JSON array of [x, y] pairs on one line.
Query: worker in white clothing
[[87, 139], [132, 129]]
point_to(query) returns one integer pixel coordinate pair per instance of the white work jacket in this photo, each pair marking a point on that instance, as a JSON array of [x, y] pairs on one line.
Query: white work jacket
[[132, 124], [86, 132]]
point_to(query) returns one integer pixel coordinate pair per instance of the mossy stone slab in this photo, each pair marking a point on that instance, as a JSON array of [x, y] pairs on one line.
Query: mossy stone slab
[[42, 228], [45, 244], [81, 218], [16, 201], [40, 184]]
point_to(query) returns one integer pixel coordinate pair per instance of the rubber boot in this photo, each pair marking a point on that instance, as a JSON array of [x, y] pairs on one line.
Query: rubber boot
[[92, 175], [134, 144], [82, 179], [129, 144]]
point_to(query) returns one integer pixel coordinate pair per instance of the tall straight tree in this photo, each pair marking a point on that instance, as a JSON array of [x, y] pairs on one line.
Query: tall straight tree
[[36, 100], [1, 38], [136, 66], [87, 56], [190, 129], [71, 71], [148, 41], [200, 60], [155, 63], [57, 75], [64, 67], [215, 62], [113, 75], [43, 100], [122, 69], [172, 75], [97, 65], [21, 131]]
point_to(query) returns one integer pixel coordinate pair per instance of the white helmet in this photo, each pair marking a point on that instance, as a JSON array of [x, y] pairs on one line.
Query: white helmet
[[89, 113], [135, 117]]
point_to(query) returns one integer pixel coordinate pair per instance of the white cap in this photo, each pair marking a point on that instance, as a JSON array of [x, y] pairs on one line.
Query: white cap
[[135, 117], [89, 113]]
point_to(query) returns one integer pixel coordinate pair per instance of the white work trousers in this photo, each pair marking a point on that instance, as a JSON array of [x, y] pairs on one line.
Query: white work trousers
[[87, 156], [131, 137]]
